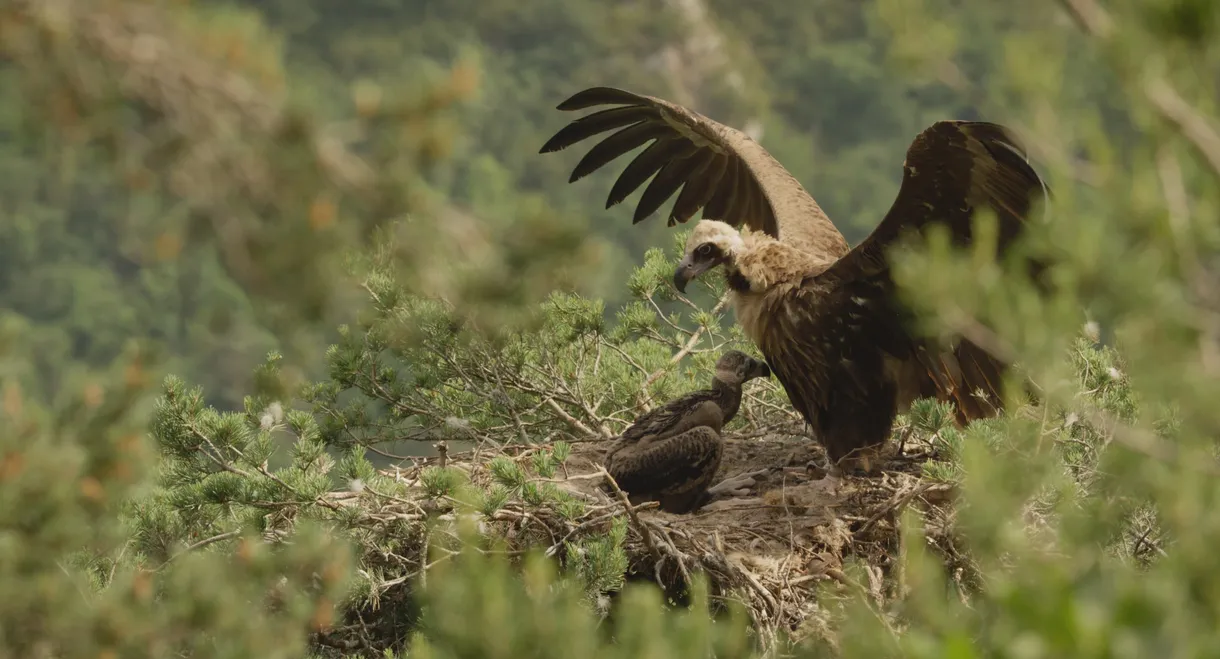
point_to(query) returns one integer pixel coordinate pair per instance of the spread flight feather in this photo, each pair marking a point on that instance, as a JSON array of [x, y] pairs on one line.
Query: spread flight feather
[[720, 169]]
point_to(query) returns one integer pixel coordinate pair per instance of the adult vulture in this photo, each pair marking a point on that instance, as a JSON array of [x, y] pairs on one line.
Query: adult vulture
[[825, 317]]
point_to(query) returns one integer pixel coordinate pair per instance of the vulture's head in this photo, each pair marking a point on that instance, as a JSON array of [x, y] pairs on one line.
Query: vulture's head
[[712, 243], [735, 368]]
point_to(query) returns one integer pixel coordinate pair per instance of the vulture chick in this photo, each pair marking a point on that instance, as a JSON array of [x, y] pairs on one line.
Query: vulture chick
[[672, 452], [825, 317]]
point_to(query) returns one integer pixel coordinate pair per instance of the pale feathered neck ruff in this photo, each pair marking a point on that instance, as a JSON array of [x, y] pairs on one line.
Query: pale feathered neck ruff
[[765, 262]]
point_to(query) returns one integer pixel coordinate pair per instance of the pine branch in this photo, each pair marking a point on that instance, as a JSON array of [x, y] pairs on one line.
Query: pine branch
[[569, 419], [1191, 123], [631, 513], [684, 351], [1160, 93], [229, 535], [1136, 439], [1091, 17], [229, 467]]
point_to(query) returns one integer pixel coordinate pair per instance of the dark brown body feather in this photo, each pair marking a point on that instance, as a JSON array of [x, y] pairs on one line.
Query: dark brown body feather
[[672, 452], [676, 471], [705, 407], [834, 333]]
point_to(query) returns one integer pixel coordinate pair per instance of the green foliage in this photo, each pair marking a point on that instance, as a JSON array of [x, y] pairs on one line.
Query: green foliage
[[160, 260], [601, 562], [539, 615], [418, 370], [218, 473], [1088, 520], [441, 481], [169, 197], [90, 586], [508, 473]]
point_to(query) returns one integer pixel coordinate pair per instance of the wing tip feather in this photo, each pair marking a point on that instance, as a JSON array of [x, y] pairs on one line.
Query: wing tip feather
[[1006, 150], [583, 99], [598, 96], [551, 147]]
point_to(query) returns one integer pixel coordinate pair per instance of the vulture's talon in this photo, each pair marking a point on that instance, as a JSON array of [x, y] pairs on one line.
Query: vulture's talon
[[816, 469]]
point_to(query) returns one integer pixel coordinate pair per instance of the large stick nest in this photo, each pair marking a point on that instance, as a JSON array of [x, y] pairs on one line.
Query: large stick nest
[[771, 545]]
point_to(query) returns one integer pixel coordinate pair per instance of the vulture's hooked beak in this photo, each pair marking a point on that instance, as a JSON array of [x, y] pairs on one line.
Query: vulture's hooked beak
[[687, 270], [760, 370]]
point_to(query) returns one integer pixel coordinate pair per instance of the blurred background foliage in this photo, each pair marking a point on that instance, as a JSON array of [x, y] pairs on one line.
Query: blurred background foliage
[[183, 183], [91, 252]]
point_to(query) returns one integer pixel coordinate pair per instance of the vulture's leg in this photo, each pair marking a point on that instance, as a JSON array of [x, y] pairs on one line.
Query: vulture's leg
[[855, 421], [822, 468], [833, 479], [832, 475]]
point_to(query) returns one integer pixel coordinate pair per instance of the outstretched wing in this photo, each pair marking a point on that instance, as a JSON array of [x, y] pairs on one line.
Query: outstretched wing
[[718, 168], [952, 169]]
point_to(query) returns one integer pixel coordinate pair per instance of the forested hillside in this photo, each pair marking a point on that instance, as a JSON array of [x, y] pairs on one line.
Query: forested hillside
[[307, 351], [813, 82]]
